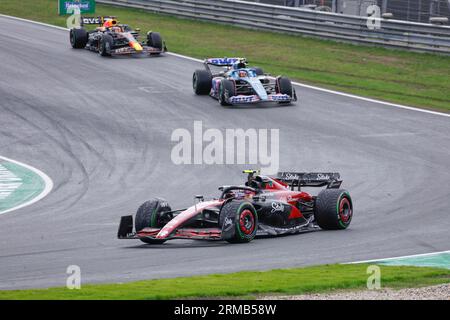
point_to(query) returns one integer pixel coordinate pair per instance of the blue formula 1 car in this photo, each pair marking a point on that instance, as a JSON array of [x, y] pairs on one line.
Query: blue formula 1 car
[[236, 83]]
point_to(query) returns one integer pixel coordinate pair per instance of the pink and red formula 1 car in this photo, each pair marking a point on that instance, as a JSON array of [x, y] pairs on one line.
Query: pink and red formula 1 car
[[263, 206]]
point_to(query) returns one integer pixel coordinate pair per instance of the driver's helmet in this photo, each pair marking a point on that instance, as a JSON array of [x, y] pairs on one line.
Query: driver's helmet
[[110, 23], [242, 74], [257, 182], [241, 64], [116, 29], [251, 182]]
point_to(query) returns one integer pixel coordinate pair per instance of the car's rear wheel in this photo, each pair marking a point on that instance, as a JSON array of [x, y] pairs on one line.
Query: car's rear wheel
[[238, 221], [154, 213], [227, 89], [201, 82], [334, 209], [78, 38], [105, 45], [155, 40]]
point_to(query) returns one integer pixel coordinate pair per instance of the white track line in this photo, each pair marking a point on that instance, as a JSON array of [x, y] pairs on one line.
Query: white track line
[[48, 185], [295, 83], [34, 22], [401, 257]]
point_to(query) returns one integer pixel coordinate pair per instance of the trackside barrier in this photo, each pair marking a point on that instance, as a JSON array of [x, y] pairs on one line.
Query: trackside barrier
[[392, 33]]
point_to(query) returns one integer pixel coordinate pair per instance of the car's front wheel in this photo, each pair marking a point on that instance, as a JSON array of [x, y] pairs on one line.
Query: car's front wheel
[[105, 45], [238, 221], [227, 89], [154, 213], [155, 40], [284, 86]]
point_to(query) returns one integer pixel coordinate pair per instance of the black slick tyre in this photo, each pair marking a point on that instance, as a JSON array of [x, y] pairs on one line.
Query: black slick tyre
[[152, 214], [78, 38], [238, 221], [155, 40], [227, 89], [334, 209], [201, 82], [105, 45]]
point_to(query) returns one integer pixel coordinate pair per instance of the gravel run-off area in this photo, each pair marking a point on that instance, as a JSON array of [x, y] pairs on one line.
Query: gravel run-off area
[[438, 292]]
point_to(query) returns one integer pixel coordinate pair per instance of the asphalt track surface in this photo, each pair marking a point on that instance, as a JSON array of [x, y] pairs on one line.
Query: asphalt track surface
[[105, 142]]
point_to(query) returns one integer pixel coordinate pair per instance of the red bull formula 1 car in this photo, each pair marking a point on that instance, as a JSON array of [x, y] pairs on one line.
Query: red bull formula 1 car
[[263, 206], [112, 38], [236, 83]]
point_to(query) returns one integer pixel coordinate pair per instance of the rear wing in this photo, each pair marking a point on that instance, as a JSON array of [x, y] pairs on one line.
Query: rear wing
[[332, 180], [96, 20], [222, 62]]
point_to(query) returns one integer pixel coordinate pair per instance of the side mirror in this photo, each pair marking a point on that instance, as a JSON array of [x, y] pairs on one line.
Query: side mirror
[[199, 198]]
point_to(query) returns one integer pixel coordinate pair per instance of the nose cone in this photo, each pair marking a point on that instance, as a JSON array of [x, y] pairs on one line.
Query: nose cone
[[259, 88], [136, 46]]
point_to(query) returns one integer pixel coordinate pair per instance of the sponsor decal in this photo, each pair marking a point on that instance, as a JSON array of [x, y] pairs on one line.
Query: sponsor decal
[[244, 99], [291, 176], [222, 61], [81, 5], [227, 223], [279, 97], [91, 20], [76, 6], [123, 50], [164, 204], [277, 207], [322, 176]]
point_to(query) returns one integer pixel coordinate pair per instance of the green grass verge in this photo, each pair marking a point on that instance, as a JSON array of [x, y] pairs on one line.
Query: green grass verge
[[246, 284], [416, 79]]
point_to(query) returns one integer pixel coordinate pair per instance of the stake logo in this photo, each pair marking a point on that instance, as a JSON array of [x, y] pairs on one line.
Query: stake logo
[[228, 223], [277, 207], [229, 146]]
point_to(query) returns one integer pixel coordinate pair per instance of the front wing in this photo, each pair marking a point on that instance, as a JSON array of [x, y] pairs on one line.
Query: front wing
[[130, 50], [242, 99], [126, 232]]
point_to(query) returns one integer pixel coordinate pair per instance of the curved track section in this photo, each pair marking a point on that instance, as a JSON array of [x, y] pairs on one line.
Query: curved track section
[[101, 129]]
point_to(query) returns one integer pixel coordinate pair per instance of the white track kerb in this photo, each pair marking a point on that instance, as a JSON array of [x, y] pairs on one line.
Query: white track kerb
[[45, 191], [295, 83]]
